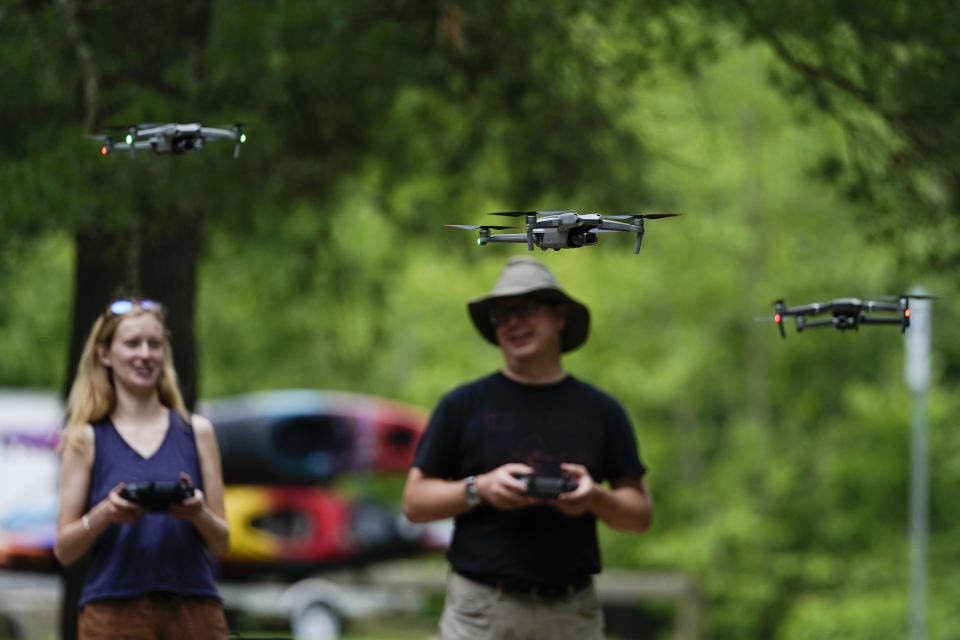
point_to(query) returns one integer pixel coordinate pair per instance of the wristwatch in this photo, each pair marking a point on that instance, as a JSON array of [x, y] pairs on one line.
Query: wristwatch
[[470, 491]]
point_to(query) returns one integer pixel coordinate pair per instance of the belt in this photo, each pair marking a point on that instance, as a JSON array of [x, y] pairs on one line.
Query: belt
[[529, 591]]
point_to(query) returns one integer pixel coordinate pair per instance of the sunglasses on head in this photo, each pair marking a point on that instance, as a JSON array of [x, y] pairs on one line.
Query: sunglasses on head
[[126, 305]]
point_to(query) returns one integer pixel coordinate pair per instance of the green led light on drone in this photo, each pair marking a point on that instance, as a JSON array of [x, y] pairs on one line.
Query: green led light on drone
[[243, 138], [129, 138]]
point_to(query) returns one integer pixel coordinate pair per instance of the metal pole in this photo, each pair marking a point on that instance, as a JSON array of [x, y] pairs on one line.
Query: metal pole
[[919, 496], [917, 375]]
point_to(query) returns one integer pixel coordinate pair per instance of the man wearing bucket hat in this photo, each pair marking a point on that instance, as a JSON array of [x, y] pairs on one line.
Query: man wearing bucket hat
[[522, 566]]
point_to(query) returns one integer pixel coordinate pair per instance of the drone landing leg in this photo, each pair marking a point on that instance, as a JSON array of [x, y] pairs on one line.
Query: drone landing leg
[[636, 245]]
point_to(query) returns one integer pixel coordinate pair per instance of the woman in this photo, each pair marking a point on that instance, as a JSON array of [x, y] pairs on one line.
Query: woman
[[151, 573]]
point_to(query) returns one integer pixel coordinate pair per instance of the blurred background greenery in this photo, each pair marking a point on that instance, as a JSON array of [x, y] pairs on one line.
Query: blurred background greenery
[[811, 146]]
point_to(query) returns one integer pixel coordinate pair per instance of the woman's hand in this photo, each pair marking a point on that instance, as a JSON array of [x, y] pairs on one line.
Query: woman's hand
[[191, 507], [120, 510]]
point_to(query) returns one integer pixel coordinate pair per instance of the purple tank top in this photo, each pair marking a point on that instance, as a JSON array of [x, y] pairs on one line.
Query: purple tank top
[[158, 553]]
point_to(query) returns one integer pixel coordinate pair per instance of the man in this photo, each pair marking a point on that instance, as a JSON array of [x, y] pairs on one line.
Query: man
[[522, 566]]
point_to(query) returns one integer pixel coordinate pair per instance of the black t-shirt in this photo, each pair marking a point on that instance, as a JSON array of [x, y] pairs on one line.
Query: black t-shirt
[[494, 420]]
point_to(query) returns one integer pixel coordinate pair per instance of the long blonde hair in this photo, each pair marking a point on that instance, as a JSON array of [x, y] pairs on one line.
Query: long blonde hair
[[92, 395]]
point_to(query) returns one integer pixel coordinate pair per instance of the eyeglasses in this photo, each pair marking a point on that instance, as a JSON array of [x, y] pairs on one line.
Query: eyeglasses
[[120, 307], [522, 309]]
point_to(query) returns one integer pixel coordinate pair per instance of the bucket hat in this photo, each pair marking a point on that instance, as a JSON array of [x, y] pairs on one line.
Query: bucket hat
[[521, 276]]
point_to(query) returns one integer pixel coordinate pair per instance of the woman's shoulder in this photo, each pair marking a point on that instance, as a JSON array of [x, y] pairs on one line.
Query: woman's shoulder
[[201, 424], [79, 442], [85, 435]]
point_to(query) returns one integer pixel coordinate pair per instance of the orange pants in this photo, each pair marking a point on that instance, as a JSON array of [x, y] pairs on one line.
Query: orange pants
[[159, 616]]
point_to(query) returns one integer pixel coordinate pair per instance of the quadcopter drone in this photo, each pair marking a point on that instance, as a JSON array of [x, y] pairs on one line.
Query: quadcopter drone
[[563, 229], [172, 138], [847, 313]]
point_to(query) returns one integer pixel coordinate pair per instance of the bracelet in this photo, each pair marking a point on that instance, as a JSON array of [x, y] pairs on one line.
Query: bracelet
[[86, 522]]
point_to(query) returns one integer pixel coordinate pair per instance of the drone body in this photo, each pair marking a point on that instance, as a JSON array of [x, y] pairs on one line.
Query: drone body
[[171, 138], [846, 313], [563, 229]]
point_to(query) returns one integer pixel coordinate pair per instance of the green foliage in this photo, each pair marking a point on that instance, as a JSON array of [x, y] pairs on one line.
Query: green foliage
[[35, 311], [883, 72]]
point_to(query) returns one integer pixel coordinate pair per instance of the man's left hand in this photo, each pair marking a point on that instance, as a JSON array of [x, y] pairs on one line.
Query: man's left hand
[[578, 501]]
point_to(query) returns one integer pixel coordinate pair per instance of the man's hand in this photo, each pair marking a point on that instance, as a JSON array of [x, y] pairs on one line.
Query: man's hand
[[502, 489], [578, 501]]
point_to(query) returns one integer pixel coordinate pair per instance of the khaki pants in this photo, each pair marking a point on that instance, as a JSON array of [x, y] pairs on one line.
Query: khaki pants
[[474, 611], [154, 617]]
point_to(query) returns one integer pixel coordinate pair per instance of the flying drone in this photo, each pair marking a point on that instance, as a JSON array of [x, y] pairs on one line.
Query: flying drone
[[172, 138], [563, 229], [847, 313]]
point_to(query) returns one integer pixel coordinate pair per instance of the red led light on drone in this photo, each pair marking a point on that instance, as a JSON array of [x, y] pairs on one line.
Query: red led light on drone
[[103, 150], [906, 313], [777, 318]]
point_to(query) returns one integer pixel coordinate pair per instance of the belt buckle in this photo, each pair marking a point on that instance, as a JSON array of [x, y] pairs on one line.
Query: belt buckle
[[550, 593]]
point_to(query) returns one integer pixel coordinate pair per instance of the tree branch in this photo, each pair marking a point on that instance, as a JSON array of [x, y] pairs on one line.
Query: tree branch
[[91, 82], [820, 76]]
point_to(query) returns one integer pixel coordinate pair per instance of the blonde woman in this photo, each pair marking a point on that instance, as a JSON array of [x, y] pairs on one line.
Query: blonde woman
[[151, 573]]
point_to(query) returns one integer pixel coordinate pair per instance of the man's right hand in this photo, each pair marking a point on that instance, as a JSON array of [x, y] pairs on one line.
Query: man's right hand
[[502, 488]]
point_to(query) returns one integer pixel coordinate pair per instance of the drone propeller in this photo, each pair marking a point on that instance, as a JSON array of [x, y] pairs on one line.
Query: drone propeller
[[908, 296], [648, 216], [139, 125], [637, 219], [482, 227], [517, 214], [485, 227]]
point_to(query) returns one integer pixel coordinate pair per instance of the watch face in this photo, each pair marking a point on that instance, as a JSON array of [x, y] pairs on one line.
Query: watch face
[[470, 491]]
